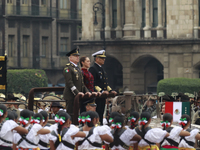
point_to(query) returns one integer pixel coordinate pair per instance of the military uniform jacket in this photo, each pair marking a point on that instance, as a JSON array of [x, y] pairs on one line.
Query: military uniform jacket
[[100, 78], [73, 81]]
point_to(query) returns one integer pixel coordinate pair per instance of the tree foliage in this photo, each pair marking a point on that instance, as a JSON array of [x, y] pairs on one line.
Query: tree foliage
[[23, 80]]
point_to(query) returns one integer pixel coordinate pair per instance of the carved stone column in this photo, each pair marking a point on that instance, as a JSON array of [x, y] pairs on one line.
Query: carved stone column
[[129, 26], [107, 19], [147, 31], [119, 21], [160, 26]]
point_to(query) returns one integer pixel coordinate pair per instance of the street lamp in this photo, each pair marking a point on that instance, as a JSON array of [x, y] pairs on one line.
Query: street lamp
[[100, 7]]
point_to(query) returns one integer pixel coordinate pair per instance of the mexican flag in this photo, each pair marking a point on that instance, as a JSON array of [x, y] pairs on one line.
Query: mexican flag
[[177, 109]]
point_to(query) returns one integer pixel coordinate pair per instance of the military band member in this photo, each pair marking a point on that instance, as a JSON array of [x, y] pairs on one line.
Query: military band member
[[74, 83], [100, 81]]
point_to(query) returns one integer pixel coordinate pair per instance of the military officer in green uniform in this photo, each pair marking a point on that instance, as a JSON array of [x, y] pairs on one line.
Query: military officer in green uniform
[[11, 98], [74, 83]]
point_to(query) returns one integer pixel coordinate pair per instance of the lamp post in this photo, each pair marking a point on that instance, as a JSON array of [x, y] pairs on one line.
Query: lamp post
[[100, 7]]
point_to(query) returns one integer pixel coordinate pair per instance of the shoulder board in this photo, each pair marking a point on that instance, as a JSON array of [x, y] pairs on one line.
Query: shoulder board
[[68, 64]]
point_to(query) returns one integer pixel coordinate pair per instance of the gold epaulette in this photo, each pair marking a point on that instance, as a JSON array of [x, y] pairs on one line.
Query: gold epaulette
[[109, 88], [98, 88], [68, 64]]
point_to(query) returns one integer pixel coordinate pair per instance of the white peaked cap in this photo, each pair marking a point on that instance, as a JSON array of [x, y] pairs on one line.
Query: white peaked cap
[[100, 53]]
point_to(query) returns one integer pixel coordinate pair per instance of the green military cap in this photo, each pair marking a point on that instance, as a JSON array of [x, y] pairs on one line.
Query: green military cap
[[73, 52], [161, 94]]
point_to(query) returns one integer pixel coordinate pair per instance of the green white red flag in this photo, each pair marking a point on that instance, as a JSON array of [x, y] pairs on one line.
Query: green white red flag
[[177, 109]]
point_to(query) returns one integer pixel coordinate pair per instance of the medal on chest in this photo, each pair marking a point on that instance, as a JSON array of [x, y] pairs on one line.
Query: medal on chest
[[76, 72], [77, 76]]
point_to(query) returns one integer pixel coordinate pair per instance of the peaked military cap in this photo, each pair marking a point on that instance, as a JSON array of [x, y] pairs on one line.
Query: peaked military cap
[[184, 98], [56, 104], [73, 52], [101, 53], [165, 97], [90, 102], [171, 98]]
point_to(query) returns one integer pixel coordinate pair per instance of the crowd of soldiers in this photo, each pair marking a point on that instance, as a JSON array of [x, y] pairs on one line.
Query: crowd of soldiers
[[155, 104]]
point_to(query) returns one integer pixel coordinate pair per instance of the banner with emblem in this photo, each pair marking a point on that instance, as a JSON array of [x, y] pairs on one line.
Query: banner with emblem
[[177, 109]]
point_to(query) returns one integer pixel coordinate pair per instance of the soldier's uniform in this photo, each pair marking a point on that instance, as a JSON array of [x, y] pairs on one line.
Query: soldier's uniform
[[74, 82], [100, 83], [151, 110], [195, 117], [11, 97]]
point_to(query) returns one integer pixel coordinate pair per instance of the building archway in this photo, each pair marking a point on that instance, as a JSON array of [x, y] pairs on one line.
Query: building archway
[[114, 72], [146, 71]]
